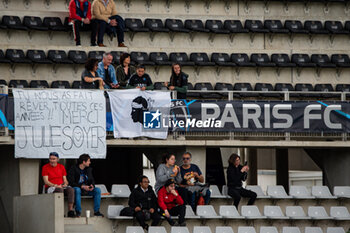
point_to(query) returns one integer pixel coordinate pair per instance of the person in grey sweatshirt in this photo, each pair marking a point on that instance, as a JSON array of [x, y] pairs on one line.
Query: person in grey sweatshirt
[[168, 170]]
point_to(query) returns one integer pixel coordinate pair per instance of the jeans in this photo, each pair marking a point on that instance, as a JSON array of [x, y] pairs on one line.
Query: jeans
[[96, 193], [100, 27]]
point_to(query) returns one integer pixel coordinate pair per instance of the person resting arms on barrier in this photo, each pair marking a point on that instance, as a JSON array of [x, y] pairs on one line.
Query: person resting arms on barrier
[[178, 81], [141, 79], [106, 71], [192, 178], [124, 70], [168, 170], [143, 202], [55, 179], [81, 179], [236, 173], [89, 77]]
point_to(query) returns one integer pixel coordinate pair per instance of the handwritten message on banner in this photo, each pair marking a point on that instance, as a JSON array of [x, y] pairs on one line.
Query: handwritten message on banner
[[69, 122]]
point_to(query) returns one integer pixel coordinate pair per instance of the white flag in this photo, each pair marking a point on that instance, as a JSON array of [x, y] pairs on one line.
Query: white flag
[[137, 113]]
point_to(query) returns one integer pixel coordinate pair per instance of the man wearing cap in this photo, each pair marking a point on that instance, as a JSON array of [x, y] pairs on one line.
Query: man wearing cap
[[55, 179]]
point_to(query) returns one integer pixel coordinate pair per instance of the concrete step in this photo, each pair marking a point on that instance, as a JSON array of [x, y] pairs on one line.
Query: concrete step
[[79, 228]]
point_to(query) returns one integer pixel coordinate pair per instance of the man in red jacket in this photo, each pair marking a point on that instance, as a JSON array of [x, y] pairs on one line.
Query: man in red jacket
[[171, 203], [79, 17]]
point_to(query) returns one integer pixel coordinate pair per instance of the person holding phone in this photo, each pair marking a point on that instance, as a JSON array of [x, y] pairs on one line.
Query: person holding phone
[[236, 173]]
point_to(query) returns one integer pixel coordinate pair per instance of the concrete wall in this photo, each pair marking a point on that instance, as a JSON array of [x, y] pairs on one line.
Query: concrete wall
[[39, 213], [29, 172]]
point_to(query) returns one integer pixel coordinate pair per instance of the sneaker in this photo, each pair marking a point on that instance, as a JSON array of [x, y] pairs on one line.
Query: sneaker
[[176, 224], [101, 45], [146, 227], [78, 44], [93, 45], [71, 214], [121, 45], [183, 224], [77, 214], [98, 214]]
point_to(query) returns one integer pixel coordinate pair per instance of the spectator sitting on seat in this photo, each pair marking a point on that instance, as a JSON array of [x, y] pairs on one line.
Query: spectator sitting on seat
[[81, 179], [124, 70], [55, 179], [89, 77], [171, 203], [191, 178], [105, 19], [79, 17], [168, 170], [236, 173], [178, 81], [140, 79], [144, 203], [106, 71]]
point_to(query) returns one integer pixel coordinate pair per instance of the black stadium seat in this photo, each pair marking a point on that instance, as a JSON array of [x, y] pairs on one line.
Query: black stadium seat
[[335, 27], [16, 56], [222, 59], [181, 58], [140, 58], [60, 84], [78, 57], [235, 26], [262, 59], [18, 83], [195, 25], [255, 26], [342, 87], [34, 23], [155, 25], [282, 60], [59, 57], [54, 24], [116, 57], [307, 88], [295, 26], [341, 60], [285, 87], [175, 25], [191, 94], [325, 87], [2, 58], [96, 55], [160, 58], [322, 60], [265, 87], [3, 82], [38, 84], [13, 22], [242, 59], [135, 25], [275, 26], [38, 56], [77, 85], [206, 87], [347, 25], [223, 87], [244, 87], [160, 86], [201, 59], [302, 60], [216, 26], [314, 26]]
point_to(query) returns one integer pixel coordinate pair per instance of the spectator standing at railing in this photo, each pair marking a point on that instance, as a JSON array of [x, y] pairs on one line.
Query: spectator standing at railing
[[81, 179], [141, 79], [178, 81], [55, 179], [124, 70], [89, 77], [236, 173], [106, 71], [105, 19], [79, 17]]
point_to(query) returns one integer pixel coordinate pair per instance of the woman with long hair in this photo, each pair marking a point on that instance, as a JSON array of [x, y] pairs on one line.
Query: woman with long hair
[[178, 81]]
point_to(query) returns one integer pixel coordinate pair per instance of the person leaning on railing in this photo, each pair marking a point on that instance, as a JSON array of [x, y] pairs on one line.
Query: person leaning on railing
[[89, 77], [178, 81], [124, 71]]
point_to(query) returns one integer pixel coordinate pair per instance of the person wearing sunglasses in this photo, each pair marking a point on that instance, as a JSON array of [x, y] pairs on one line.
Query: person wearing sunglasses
[[171, 203], [192, 180], [143, 202]]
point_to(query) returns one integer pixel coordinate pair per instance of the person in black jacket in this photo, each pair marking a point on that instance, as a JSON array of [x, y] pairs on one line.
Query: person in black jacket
[[144, 202], [236, 173], [178, 81], [81, 179]]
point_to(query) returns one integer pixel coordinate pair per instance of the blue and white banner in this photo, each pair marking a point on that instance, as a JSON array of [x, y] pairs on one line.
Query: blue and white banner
[[137, 113], [69, 122]]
